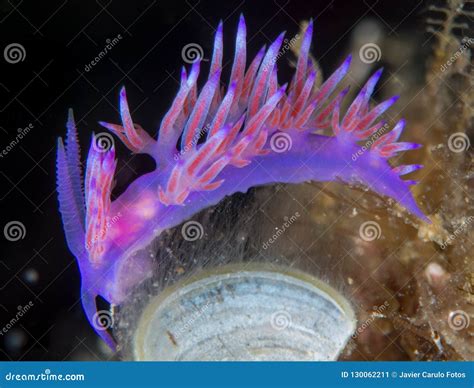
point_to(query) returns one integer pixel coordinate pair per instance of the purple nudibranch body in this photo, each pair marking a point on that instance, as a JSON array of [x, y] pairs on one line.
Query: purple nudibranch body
[[255, 132]]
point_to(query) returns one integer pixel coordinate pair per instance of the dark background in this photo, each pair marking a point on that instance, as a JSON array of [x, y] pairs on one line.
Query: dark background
[[60, 39]]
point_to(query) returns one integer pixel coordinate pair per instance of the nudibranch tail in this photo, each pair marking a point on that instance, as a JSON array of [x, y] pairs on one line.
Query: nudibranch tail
[[214, 142]]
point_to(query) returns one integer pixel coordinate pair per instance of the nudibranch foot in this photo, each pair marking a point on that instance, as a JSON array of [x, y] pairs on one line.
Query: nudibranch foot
[[95, 317]]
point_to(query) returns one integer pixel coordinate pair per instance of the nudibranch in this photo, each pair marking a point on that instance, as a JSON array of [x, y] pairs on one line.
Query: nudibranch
[[216, 141]]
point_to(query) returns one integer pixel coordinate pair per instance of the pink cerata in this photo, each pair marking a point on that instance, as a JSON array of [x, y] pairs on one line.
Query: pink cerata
[[251, 132]]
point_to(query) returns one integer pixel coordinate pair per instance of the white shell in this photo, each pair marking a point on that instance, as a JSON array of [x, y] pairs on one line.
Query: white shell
[[243, 313]]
